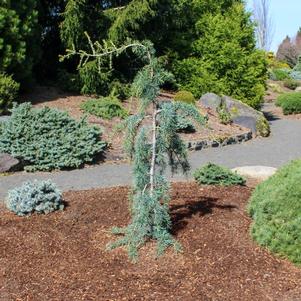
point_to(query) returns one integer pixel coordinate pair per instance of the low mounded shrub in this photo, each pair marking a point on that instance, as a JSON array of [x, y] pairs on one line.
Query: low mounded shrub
[[93, 82], [275, 208], [47, 139], [280, 74], [290, 103], [224, 115], [296, 75], [8, 92], [212, 174], [185, 96], [106, 107], [36, 196], [291, 83]]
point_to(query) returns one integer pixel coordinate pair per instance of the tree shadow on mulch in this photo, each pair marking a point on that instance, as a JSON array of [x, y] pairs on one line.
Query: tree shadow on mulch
[[181, 213]]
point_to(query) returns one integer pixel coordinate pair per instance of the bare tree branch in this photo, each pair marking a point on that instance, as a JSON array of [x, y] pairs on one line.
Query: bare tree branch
[[265, 27]]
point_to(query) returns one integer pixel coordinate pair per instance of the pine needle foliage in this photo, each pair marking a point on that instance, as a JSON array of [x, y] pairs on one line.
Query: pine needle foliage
[[152, 148]]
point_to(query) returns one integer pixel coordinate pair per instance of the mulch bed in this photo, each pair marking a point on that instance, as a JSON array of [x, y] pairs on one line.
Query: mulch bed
[[61, 256]]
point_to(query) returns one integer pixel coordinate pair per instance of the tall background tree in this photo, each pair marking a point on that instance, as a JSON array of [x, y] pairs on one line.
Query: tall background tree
[[264, 23], [184, 32], [19, 39], [290, 49]]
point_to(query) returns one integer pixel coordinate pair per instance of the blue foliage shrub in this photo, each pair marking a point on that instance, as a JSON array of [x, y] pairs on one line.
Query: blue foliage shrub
[[47, 139], [36, 196]]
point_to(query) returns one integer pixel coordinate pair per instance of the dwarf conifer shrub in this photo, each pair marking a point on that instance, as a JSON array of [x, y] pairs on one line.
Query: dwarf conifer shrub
[[47, 139], [275, 208], [35, 196], [106, 107], [290, 103], [224, 115], [185, 96], [212, 174], [8, 92]]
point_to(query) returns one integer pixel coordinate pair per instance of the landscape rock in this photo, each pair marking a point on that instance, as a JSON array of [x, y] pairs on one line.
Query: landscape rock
[[246, 116], [256, 172], [211, 101], [8, 163], [298, 89]]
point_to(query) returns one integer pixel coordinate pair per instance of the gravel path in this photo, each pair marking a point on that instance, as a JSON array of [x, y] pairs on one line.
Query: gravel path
[[283, 145]]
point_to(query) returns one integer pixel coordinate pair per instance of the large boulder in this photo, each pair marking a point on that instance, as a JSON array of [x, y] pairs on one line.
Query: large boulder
[[8, 163], [246, 116], [241, 114], [211, 101]]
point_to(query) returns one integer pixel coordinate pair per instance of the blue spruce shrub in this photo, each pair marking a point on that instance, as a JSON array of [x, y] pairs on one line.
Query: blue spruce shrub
[[36, 196], [47, 139]]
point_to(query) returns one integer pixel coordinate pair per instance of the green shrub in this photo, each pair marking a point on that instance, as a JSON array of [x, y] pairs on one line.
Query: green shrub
[[8, 92], [224, 59], [106, 107], [224, 115], [68, 82], [36, 196], [275, 208], [121, 90], [92, 81], [290, 102], [280, 74], [212, 174], [263, 127], [185, 96], [47, 139], [291, 83]]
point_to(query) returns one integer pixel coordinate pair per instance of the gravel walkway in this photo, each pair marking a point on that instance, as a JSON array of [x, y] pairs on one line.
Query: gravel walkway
[[283, 145]]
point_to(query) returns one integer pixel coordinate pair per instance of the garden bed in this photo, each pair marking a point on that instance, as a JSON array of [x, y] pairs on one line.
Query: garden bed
[[212, 133], [61, 256]]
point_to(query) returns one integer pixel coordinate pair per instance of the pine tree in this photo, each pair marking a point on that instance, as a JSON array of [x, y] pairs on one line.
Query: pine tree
[[152, 148]]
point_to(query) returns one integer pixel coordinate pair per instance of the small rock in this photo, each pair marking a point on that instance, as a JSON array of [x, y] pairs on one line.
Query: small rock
[[211, 100], [256, 172], [8, 163], [298, 89]]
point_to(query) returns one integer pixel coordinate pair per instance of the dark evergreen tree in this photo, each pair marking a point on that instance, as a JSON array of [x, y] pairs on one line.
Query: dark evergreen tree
[[19, 38]]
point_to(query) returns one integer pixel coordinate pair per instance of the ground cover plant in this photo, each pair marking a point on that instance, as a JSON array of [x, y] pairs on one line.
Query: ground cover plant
[[106, 107], [275, 208], [291, 84], [8, 92], [47, 139], [212, 174], [290, 102], [35, 196], [152, 147]]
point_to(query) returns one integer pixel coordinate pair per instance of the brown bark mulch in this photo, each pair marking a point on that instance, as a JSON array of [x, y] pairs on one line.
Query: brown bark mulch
[[61, 256]]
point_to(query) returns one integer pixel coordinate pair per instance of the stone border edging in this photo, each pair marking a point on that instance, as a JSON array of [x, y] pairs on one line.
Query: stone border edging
[[202, 144]]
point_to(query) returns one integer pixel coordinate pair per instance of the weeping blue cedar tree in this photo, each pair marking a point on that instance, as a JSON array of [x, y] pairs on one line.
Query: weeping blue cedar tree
[[152, 148]]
